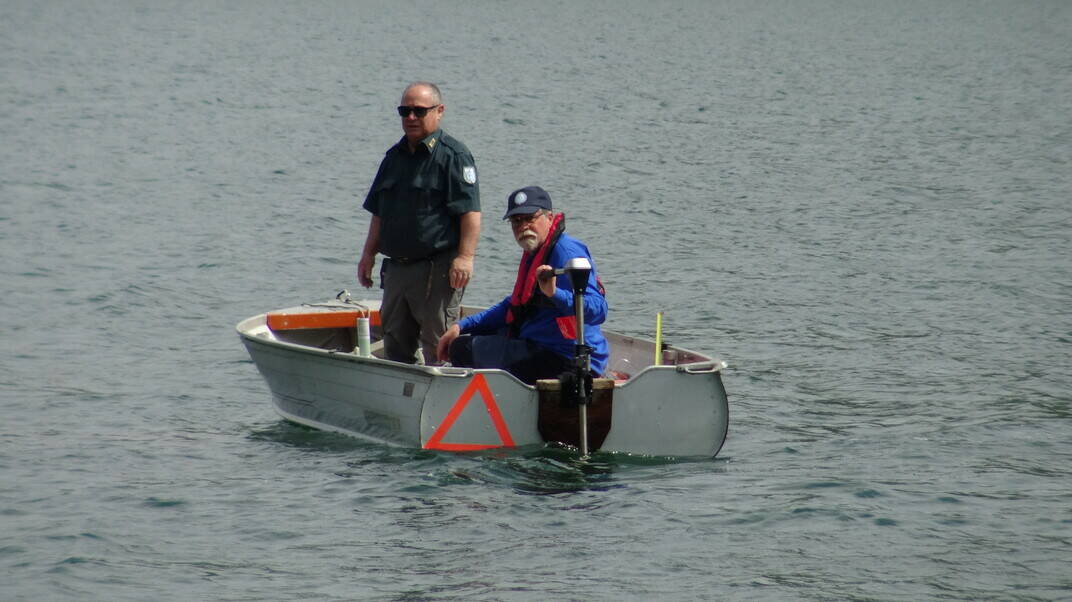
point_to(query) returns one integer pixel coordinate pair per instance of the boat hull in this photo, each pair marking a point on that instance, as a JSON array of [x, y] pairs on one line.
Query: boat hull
[[317, 380]]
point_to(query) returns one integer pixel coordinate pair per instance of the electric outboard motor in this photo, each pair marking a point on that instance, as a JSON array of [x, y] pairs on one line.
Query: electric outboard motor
[[577, 383]]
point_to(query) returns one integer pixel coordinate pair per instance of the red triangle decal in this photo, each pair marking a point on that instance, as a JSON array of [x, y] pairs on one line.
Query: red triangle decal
[[477, 384]]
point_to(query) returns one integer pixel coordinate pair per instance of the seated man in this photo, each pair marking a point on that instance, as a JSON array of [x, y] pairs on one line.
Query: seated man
[[532, 333]]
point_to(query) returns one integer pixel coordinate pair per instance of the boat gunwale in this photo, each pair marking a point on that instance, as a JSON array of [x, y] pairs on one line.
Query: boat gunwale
[[246, 326]]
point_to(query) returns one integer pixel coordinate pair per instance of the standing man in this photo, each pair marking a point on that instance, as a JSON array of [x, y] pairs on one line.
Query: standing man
[[425, 206]]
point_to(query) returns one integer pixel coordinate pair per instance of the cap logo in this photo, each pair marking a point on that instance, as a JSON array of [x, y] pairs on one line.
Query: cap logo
[[520, 199]]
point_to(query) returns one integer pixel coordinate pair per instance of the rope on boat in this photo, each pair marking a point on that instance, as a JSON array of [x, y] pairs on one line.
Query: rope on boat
[[347, 302]]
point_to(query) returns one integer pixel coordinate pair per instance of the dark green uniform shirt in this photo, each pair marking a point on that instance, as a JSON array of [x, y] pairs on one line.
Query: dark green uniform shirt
[[419, 197]]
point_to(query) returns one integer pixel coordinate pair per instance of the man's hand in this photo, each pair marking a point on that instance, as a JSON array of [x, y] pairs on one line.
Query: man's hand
[[461, 270], [547, 284], [443, 346], [364, 270]]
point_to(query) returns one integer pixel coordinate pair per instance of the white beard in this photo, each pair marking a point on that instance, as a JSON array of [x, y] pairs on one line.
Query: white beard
[[528, 240]]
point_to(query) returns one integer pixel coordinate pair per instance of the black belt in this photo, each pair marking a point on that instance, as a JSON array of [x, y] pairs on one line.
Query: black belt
[[409, 260]]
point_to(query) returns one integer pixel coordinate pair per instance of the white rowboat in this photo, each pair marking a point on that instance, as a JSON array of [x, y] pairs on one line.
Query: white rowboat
[[310, 359]]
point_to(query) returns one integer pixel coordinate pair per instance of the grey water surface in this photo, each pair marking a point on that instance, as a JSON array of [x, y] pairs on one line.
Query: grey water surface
[[863, 206]]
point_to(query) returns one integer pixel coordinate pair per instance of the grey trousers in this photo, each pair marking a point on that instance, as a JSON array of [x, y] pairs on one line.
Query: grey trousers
[[418, 306]]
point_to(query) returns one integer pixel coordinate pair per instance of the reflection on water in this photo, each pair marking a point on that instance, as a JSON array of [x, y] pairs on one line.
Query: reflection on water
[[301, 436], [550, 469]]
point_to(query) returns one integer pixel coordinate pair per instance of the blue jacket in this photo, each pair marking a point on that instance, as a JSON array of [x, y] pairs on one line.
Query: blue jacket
[[541, 326]]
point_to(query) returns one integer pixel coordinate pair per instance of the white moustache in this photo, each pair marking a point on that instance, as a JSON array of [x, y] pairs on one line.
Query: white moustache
[[528, 240]]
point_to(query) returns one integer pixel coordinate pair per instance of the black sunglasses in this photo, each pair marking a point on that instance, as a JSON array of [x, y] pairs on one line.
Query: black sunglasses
[[420, 112]]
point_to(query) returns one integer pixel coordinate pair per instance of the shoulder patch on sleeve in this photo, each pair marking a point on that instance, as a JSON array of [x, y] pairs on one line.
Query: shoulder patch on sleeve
[[469, 174]]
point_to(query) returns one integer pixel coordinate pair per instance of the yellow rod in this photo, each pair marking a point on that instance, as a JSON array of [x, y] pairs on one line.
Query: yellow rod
[[658, 338]]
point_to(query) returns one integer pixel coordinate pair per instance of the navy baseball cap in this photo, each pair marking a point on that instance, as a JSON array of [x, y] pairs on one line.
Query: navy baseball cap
[[527, 200]]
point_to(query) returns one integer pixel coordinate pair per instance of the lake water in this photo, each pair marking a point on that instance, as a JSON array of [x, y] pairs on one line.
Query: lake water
[[862, 206]]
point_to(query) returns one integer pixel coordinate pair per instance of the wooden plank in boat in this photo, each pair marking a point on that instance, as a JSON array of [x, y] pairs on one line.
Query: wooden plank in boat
[[557, 422], [295, 320]]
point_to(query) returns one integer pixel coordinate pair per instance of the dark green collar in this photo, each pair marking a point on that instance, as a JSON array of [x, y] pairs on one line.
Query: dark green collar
[[429, 143]]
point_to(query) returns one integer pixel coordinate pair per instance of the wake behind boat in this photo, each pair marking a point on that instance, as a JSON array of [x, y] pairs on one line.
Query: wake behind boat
[[323, 374]]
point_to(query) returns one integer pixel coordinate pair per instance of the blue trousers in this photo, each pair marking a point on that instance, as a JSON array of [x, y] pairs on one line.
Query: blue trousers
[[522, 358]]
